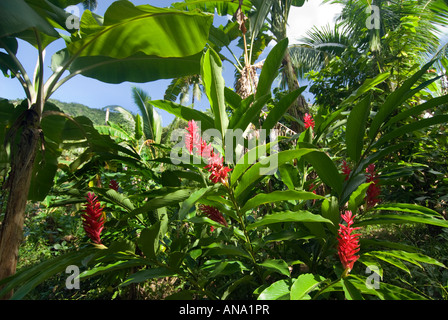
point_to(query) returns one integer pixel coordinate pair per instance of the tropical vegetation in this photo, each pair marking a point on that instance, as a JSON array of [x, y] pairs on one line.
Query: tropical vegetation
[[260, 197]]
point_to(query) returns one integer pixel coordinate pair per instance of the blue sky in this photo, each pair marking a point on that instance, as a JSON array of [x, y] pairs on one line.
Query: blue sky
[[96, 94]]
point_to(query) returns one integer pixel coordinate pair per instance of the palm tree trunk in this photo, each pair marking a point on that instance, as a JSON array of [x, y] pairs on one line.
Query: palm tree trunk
[[18, 184], [299, 106]]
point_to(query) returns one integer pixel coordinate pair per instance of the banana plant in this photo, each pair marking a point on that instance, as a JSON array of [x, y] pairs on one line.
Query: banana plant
[[130, 43]]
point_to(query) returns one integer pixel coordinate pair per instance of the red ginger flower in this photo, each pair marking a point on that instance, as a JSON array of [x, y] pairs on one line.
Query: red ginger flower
[[213, 214], [374, 190], [309, 121], [93, 219], [113, 184], [217, 169], [195, 144], [346, 169], [348, 244]]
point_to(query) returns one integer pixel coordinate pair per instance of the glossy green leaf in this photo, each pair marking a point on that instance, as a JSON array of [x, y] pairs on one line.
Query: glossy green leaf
[[222, 7], [185, 113], [305, 284], [277, 265], [276, 196], [395, 99], [357, 197], [264, 167], [350, 291], [270, 68], [356, 126], [143, 275], [150, 30], [325, 169], [418, 125], [276, 113], [277, 291], [288, 216], [213, 83]]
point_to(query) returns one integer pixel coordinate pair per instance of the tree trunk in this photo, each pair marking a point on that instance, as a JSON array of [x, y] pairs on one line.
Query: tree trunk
[[299, 106], [18, 183]]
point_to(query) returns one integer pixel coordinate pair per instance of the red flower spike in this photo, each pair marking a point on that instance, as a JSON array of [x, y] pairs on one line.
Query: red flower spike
[[309, 121], [346, 169], [93, 219], [373, 191], [195, 144], [348, 244], [217, 169], [213, 214], [113, 184]]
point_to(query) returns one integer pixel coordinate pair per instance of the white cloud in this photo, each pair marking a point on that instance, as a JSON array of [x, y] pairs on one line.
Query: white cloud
[[313, 13]]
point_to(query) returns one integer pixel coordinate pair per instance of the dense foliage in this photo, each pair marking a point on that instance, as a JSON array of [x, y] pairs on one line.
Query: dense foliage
[[231, 202]]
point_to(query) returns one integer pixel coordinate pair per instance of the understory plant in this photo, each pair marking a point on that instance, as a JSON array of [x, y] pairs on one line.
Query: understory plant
[[235, 211]]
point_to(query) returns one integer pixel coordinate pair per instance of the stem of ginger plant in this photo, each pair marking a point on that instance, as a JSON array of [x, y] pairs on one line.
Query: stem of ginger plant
[[242, 221]]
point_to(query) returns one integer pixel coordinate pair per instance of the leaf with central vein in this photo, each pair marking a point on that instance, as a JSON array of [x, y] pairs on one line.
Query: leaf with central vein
[[275, 196], [260, 169], [214, 87], [161, 32], [288, 216]]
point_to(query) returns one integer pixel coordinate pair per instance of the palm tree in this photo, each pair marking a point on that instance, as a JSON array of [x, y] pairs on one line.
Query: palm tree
[[180, 88], [152, 122]]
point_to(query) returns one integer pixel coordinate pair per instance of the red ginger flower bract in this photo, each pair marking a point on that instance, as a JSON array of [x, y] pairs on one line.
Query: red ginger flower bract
[[348, 244], [373, 191], [309, 121], [93, 219], [196, 145], [113, 184], [346, 169], [213, 214]]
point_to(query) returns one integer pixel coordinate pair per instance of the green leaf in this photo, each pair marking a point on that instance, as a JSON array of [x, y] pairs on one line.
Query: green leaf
[[325, 169], [213, 83], [276, 196], [17, 16], [330, 210], [276, 113], [305, 284], [415, 111], [192, 199], [170, 198], [128, 29], [356, 126], [357, 197], [251, 114], [143, 275], [138, 68], [149, 240], [421, 124], [383, 255], [395, 99], [350, 291], [266, 166], [185, 113], [278, 265], [288, 216], [270, 68], [222, 7], [277, 291], [402, 219]]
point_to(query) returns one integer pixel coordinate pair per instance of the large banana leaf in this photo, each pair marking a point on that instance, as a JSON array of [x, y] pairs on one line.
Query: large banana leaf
[[222, 7], [135, 43]]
